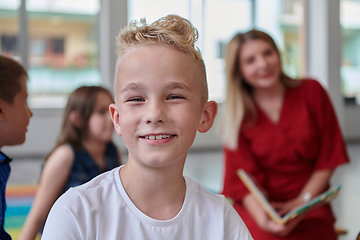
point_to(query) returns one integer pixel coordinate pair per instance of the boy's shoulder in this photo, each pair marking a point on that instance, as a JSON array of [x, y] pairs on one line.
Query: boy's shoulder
[[97, 185], [101, 180], [218, 211], [199, 195]]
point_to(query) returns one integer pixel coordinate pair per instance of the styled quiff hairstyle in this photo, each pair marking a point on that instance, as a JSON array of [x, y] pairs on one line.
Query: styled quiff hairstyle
[[172, 31], [11, 73], [238, 101]]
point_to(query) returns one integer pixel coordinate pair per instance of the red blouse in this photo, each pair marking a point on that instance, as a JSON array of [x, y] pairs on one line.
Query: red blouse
[[282, 156]]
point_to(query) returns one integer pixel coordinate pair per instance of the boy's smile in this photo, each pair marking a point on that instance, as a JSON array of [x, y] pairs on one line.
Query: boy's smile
[[159, 104], [157, 138]]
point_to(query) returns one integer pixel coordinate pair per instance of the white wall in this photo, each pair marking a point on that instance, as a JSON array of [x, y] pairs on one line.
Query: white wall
[[323, 34], [352, 123], [324, 38]]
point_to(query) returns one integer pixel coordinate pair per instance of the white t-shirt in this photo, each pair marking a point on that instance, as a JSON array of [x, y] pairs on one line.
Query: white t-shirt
[[101, 209]]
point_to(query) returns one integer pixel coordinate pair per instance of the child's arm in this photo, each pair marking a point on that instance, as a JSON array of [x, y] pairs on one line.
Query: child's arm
[[53, 178]]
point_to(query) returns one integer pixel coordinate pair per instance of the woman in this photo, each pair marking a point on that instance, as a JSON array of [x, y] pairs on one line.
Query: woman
[[284, 133]]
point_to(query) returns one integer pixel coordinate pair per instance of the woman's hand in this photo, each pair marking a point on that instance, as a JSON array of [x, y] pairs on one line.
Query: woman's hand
[[284, 207], [264, 221], [280, 230]]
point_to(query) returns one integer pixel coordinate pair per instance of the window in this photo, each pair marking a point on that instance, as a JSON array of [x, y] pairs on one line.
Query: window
[[9, 44], [63, 49], [350, 69], [291, 43], [63, 38], [219, 20], [9, 27], [62, 46]]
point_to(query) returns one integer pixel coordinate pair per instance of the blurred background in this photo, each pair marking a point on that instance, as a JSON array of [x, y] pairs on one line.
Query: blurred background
[[69, 43]]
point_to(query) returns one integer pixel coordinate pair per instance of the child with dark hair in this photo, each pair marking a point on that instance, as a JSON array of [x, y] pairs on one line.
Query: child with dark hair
[[83, 151], [14, 119]]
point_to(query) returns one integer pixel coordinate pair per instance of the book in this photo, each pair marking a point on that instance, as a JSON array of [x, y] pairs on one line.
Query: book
[[263, 201]]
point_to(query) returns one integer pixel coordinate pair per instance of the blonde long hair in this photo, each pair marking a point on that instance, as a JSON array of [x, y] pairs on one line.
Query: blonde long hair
[[238, 102]]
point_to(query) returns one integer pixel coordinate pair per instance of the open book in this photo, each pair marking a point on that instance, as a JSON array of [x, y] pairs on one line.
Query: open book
[[259, 196]]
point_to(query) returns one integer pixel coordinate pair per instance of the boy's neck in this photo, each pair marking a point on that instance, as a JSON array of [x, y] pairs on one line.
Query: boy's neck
[[158, 193]]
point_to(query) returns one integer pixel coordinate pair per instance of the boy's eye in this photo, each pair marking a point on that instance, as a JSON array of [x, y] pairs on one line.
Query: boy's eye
[[175, 97], [135, 99]]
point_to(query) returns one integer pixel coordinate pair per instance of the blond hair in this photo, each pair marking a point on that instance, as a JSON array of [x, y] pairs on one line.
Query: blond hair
[[171, 30], [238, 101]]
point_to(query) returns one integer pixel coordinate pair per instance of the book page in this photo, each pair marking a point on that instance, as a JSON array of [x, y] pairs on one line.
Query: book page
[[319, 200]]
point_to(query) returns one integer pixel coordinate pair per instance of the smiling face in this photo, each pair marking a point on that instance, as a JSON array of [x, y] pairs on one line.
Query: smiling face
[[260, 64], [159, 104]]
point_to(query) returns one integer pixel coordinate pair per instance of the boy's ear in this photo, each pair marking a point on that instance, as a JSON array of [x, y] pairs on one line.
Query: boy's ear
[[208, 116], [115, 117], [75, 119]]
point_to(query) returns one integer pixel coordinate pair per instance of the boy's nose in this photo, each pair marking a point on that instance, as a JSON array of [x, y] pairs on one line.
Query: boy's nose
[[155, 113]]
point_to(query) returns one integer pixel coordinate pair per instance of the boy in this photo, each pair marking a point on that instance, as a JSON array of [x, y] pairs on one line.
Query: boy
[[14, 119], [161, 101]]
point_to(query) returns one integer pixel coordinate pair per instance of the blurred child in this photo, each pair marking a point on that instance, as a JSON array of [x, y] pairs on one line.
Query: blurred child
[[14, 119], [161, 102], [84, 150]]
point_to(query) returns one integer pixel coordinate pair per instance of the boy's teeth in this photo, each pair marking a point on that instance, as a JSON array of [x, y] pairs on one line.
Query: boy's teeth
[[157, 137]]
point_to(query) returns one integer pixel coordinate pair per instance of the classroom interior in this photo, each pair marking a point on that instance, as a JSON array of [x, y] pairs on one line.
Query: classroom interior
[[65, 44]]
